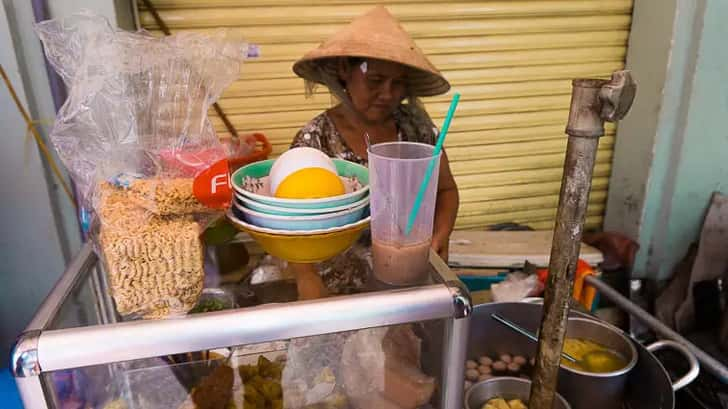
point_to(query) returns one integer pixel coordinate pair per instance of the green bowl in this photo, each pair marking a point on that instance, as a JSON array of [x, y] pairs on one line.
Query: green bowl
[[251, 181]]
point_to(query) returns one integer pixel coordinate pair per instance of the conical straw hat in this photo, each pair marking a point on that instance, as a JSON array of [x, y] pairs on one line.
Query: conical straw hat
[[376, 34]]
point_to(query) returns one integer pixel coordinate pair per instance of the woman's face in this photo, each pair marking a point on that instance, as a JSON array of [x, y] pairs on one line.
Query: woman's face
[[376, 87]]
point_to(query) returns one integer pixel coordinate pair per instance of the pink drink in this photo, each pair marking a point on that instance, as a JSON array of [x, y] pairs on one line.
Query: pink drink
[[398, 264]]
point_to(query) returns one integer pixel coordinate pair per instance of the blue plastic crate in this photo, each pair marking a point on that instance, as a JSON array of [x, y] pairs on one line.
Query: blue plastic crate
[[478, 283]]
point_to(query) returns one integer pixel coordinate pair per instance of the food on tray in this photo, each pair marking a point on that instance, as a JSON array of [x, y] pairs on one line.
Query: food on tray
[[591, 356], [484, 377], [215, 390], [305, 173], [499, 367], [520, 360], [262, 384], [154, 264], [513, 368], [507, 358], [165, 197], [487, 368], [500, 403]]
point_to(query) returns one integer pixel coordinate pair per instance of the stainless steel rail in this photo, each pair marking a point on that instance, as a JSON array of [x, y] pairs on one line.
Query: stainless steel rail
[[69, 279]]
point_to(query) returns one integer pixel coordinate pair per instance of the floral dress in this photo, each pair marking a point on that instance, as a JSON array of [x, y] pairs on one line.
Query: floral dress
[[348, 272], [321, 133]]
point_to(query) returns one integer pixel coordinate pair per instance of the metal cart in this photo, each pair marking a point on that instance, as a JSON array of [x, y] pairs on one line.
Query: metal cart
[[76, 329]]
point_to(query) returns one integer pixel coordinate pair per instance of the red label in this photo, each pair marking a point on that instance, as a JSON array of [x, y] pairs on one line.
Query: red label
[[212, 186]]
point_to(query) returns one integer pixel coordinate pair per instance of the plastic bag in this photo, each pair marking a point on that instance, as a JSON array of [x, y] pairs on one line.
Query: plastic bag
[[135, 137], [369, 368], [516, 287]]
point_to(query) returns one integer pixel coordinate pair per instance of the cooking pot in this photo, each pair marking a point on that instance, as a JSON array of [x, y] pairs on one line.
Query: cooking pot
[[574, 382], [648, 385], [504, 387]]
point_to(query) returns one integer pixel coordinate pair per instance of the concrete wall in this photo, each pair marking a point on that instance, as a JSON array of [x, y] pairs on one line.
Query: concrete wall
[[672, 151], [40, 233]]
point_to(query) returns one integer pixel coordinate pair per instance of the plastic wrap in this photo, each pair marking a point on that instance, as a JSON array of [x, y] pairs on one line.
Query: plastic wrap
[[136, 139], [516, 287], [377, 367]]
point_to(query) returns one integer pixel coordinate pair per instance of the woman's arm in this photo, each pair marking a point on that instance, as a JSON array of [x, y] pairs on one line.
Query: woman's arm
[[446, 208]]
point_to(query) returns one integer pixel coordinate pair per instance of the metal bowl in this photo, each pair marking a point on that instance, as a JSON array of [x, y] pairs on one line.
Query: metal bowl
[[507, 388]]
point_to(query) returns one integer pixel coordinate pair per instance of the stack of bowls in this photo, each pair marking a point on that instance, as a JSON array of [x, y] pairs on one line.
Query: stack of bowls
[[300, 230]]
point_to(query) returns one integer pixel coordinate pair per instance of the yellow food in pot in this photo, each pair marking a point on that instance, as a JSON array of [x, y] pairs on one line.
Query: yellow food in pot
[[591, 356]]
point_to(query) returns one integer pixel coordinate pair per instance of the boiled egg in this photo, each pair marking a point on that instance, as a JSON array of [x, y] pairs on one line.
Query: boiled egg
[[304, 173]]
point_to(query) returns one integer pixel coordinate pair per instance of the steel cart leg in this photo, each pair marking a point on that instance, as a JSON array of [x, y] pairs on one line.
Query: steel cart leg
[[455, 349]]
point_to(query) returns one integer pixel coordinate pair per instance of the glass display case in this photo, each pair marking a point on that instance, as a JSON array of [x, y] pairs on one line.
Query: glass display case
[[398, 348]]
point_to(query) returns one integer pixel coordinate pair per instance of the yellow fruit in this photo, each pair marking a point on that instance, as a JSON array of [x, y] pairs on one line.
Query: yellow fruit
[[310, 183]]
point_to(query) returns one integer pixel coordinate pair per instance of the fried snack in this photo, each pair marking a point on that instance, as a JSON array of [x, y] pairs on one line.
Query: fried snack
[[166, 196], [154, 264], [216, 390]]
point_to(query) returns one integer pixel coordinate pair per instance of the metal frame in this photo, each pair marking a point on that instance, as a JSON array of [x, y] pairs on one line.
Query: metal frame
[[39, 350]]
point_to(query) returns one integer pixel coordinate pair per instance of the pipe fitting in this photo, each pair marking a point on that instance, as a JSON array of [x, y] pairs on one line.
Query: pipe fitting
[[594, 101]]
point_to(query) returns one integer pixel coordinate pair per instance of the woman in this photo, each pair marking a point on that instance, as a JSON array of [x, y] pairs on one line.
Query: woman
[[376, 72]]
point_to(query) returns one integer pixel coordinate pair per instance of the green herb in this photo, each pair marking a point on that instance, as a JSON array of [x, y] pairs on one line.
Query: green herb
[[219, 232], [208, 306]]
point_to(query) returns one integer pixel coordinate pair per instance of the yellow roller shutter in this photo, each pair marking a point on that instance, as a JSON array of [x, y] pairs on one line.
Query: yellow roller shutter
[[512, 61]]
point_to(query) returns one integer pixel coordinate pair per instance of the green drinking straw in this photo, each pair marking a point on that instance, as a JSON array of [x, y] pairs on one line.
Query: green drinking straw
[[431, 165]]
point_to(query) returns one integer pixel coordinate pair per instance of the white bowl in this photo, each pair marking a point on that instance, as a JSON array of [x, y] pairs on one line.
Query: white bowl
[[287, 211], [302, 222]]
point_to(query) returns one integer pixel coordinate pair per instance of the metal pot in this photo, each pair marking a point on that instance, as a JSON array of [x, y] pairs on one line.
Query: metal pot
[[506, 388], [597, 390], [648, 385]]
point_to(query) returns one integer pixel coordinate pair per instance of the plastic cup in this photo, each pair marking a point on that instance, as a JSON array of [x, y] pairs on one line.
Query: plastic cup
[[396, 171]]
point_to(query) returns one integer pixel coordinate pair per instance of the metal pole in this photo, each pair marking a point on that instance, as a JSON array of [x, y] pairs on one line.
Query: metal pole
[[592, 103], [711, 364], [455, 352]]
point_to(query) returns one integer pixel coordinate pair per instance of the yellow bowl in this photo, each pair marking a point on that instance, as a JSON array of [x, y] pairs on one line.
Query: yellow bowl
[[313, 246]]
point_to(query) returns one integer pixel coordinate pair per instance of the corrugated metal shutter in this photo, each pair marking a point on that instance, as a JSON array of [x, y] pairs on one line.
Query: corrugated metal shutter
[[511, 60]]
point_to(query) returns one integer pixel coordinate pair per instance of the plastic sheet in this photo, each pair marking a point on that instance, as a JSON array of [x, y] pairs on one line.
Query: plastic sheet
[[516, 287]]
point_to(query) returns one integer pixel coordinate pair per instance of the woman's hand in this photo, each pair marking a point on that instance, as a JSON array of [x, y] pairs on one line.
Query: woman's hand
[[446, 209], [441, 246]]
